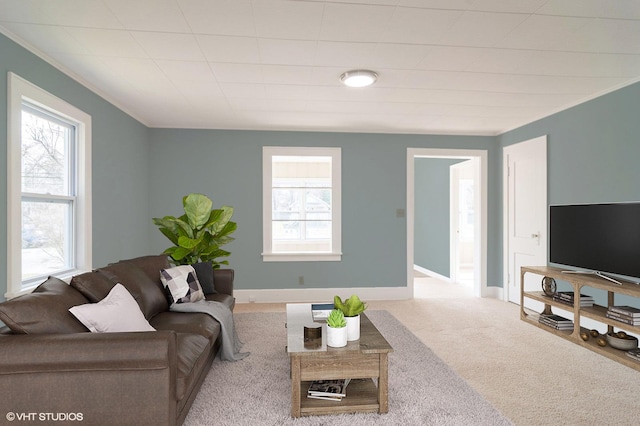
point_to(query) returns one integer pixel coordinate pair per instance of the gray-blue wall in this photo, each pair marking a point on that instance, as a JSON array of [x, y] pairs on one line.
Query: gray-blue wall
[[120, 166]]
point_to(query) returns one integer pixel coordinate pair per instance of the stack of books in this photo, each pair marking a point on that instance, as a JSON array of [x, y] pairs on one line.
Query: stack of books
[[556, 321], [331, 390], [626, 314], [567, 297], [634, 354]]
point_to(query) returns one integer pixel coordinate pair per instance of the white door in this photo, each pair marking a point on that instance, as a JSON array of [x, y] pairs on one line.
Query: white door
[[462, 196], [525, 171]]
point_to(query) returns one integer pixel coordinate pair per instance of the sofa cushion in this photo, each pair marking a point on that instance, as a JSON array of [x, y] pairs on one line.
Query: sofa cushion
[[187, 322], [181, 284], [204, 271], [93, 285], [147, 292], [151, 265], [118, 312], [45, 310]]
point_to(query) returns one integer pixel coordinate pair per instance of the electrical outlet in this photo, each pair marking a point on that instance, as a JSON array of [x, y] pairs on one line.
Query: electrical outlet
[[252, 298], [301, 280]]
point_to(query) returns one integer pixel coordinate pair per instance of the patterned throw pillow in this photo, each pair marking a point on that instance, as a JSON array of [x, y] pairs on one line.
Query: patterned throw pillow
[[181, 284]]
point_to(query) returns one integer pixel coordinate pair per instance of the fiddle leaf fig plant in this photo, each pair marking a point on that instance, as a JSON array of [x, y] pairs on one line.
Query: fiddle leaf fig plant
[[198, 234], [351, 307], [336, 319]]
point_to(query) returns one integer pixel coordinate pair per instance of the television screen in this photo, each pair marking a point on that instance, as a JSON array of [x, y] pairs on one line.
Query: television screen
[[596, 237]]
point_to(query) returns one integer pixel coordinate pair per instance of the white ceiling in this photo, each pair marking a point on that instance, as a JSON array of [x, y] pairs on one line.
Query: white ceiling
[[445, 66]]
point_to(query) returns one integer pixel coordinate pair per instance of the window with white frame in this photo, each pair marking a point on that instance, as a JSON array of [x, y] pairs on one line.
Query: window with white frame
[[301, 204], [48, 187]]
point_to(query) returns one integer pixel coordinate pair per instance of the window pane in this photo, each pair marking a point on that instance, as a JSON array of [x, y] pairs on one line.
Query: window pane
[[46, 236], [318, 200], [46, 154], [286, 230], [318, 230], [286, 200]]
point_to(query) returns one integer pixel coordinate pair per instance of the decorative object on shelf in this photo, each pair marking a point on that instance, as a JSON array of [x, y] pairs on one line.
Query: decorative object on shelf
[[549, 286], [313, 336], [621, 340], [199, 233], [594, 333], [351, 308], [602, 341], [584, 336], [336, 329]]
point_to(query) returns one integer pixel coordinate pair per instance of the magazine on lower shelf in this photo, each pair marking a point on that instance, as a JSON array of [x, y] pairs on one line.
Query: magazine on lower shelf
[[333, 390]]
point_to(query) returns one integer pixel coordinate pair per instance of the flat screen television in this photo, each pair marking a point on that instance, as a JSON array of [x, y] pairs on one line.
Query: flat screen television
[[602, 238]]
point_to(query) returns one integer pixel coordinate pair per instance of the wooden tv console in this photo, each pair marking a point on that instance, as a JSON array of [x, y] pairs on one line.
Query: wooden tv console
[[596, 312]]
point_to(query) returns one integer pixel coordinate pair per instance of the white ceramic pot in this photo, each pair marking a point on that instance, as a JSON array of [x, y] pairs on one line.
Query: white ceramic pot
[[336, 337], [353, 328]]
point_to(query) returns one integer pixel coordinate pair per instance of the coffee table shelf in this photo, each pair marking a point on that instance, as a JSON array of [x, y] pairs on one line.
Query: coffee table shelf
[[362, 396]]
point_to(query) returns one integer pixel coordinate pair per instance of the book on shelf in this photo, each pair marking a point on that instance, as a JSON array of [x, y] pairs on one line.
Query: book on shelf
[[331, 390], [623, 318], [556, 321], [568, 298], [320, 311], [626, 310]]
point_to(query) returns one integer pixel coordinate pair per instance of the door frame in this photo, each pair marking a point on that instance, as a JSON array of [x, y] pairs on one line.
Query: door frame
[[480, 238], [541, 143]]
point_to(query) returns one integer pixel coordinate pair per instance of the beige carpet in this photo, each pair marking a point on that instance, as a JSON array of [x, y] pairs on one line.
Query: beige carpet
[[531, 376]]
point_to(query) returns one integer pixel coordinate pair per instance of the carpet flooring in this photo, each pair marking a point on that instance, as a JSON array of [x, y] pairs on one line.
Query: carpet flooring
[[423, 390]]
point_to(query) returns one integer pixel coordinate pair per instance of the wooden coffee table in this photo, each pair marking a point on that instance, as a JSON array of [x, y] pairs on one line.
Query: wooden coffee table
[[361, 361]]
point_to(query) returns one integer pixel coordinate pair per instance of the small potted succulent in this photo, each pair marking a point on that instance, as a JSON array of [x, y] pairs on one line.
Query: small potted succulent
[[336, 329], [351, 308]]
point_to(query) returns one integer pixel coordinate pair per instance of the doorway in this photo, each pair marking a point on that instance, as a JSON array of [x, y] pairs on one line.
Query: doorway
[[479, 158]]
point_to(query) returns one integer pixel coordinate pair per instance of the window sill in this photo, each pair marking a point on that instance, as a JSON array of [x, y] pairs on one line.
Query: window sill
[[301, 257]]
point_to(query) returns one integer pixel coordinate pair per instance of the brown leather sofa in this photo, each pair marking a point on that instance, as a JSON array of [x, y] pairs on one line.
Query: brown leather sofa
[[51, 365]]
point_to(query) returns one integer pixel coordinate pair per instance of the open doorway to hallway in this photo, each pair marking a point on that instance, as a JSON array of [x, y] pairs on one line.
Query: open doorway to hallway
[[479, 160]]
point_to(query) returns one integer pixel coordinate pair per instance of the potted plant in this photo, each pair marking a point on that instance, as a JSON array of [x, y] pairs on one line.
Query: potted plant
[[351, 308], [198, 234], [336, 329]]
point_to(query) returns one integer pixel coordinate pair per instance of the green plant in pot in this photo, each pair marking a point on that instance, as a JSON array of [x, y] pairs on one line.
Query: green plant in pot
[[351, 308], [199, 233], [336, 329]]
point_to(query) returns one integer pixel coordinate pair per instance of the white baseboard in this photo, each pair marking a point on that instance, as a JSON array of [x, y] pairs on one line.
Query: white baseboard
[[431, 273], [493, 292], [308, 295]]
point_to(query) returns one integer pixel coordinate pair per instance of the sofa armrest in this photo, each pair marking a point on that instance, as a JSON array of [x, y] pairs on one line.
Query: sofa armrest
[[92, 375], [223, 281]]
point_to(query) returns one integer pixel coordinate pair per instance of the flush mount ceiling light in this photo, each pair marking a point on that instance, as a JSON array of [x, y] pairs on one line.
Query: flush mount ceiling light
[[358, 78]]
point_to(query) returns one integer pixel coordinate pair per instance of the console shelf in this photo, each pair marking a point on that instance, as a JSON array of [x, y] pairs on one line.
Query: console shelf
[[595, 312]]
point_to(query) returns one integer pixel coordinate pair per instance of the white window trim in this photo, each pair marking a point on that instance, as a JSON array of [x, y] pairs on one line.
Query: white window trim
[[20, 90], [336, 204]]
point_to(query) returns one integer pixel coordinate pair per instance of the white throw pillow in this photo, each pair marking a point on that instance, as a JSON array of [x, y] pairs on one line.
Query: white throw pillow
[[181, 284], [119, 311]]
